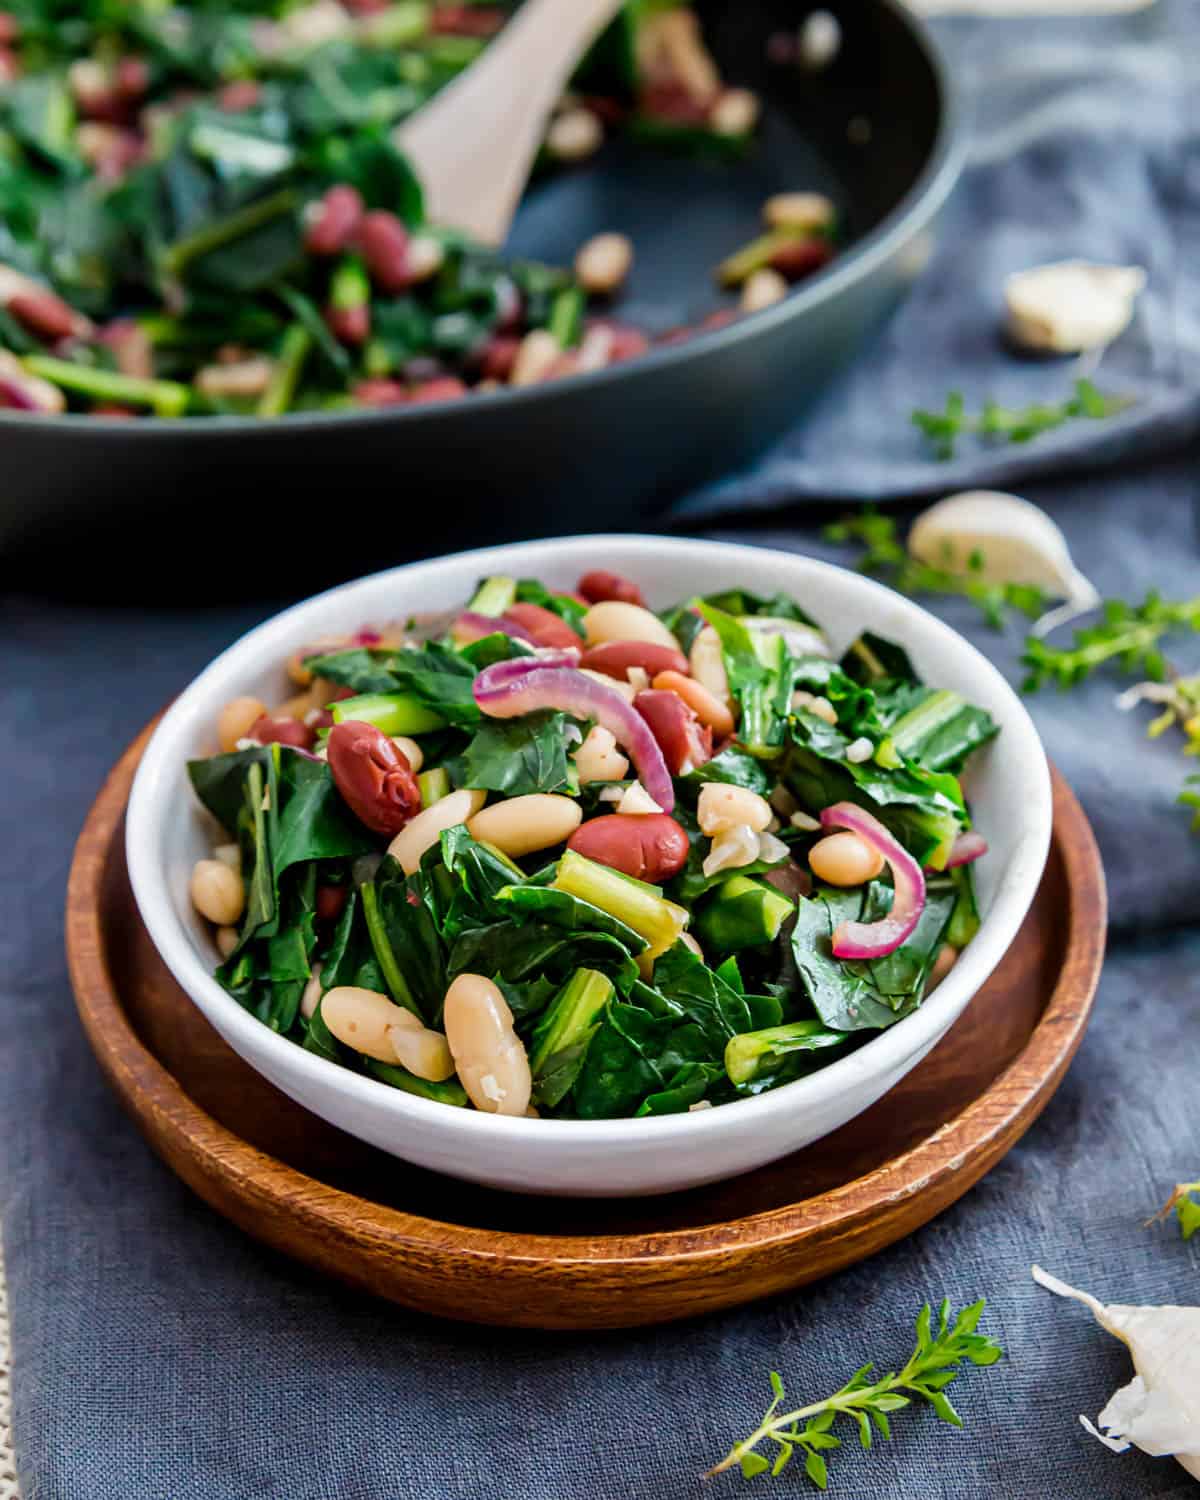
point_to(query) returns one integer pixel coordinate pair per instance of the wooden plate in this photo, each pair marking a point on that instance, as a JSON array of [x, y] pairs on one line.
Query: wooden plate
[[448, 1248]]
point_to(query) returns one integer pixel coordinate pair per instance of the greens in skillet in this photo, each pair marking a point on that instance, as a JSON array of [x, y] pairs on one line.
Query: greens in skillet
[[203, 210], [554, 853]]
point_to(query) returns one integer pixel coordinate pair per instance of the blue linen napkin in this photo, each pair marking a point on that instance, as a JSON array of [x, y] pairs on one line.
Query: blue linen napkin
[[161, 1355]]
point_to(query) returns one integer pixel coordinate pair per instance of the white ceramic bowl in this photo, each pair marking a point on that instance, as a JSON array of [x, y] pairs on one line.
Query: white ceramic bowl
[[167, 832]]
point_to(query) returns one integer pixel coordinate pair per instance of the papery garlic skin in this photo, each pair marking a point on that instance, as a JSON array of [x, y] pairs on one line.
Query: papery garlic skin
[[1159, 1410], [1071, 305]]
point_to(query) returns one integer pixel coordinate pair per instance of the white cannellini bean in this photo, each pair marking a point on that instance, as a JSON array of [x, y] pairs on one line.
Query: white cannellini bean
[[490, 1058], [762, 288], [574, 135], [311, 997], [798, 211], [720, 807], [598, 758], [859, 750], [217, 892], [428, 826], [236, 720], [419, 1049], [362, 1020], [227, 940], [844, 859], [536, 357], [410, 750], [523, 825], [615, 621], [603, 263], [736, 112], [814, 704], [942, 964], [706, 662], [228, 854]]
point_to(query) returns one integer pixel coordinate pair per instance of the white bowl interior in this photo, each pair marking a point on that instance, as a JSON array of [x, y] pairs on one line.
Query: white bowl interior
[[168, 831]]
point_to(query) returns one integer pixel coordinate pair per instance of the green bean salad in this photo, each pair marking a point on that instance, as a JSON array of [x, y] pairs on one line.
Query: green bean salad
[[204, 211], [554, 853]]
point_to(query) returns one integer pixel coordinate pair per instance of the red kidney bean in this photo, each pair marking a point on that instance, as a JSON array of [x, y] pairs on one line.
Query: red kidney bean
[[614, 659], [10, 28], [384, 244], [544, 626], [444, 388], [241, 94], [648, 846], [295, 732], [364, 637], [600, 585], [132, 78], [465, 20], [10, 65], [349, 325], [380, 393], [683, 740], [331, 902], [335, 221], [801, 258], [44, 314], [499, 356], [373, 776]]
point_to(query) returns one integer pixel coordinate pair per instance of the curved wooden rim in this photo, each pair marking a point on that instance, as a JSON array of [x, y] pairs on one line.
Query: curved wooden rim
[[939, 1168]]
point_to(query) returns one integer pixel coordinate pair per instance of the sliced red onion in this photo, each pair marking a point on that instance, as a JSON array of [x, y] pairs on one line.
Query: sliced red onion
[[512, 688], [876, 939], [965, 848], [469, 626]]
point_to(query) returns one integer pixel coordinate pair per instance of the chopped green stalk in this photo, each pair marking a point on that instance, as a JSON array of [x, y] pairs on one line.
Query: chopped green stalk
[[743, 913], [394, 27], [377, 360], [380, 943], [350, 287], [454, 51], [449, 1092], [434, 786], [566, 316], [758, 253], [221, 231], [562, 1034], [964, 919], [640, 906], [755, 1051], [285, 377], [494, 596], [393, 713], [166, 397], [916, 727]]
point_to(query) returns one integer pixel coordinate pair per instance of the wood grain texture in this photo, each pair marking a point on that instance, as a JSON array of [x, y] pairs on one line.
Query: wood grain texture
[[460, 1251]]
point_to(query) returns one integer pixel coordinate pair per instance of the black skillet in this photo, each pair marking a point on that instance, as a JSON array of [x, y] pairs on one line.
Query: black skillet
[[331, 494]]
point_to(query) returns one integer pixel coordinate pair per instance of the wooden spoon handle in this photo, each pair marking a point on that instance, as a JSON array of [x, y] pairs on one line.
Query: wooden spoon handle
[[474, 144]]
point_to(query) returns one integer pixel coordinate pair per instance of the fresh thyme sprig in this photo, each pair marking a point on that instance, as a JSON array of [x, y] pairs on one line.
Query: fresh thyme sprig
[[885, 557], [1186, 1207], [1012, 424], [1127, 633], [933, 1364]]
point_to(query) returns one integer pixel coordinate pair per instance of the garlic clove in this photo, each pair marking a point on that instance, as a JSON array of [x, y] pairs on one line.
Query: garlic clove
[[1159, 1410], [1071, 305], [1001, 538]]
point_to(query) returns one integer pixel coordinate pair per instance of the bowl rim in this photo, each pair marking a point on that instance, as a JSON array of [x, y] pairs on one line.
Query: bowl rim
[[915, 209], [156, 782]]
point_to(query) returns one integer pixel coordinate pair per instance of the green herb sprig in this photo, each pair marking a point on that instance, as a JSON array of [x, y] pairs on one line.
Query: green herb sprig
[[933, 1364], [1185, 1204], [886, 557], [1008, 424], [1128, 634]]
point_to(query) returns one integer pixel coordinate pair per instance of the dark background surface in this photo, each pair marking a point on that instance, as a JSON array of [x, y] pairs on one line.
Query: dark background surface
[[160, 1355]]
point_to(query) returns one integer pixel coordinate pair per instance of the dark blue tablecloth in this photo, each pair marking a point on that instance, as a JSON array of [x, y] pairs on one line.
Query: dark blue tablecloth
[[160, 1355]]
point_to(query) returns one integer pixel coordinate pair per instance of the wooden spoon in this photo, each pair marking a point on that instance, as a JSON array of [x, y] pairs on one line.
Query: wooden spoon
[[474, 144]]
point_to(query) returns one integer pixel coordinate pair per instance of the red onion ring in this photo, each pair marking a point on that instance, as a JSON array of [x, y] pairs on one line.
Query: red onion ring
[[512, 688], [965, 848], [877, 939]]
